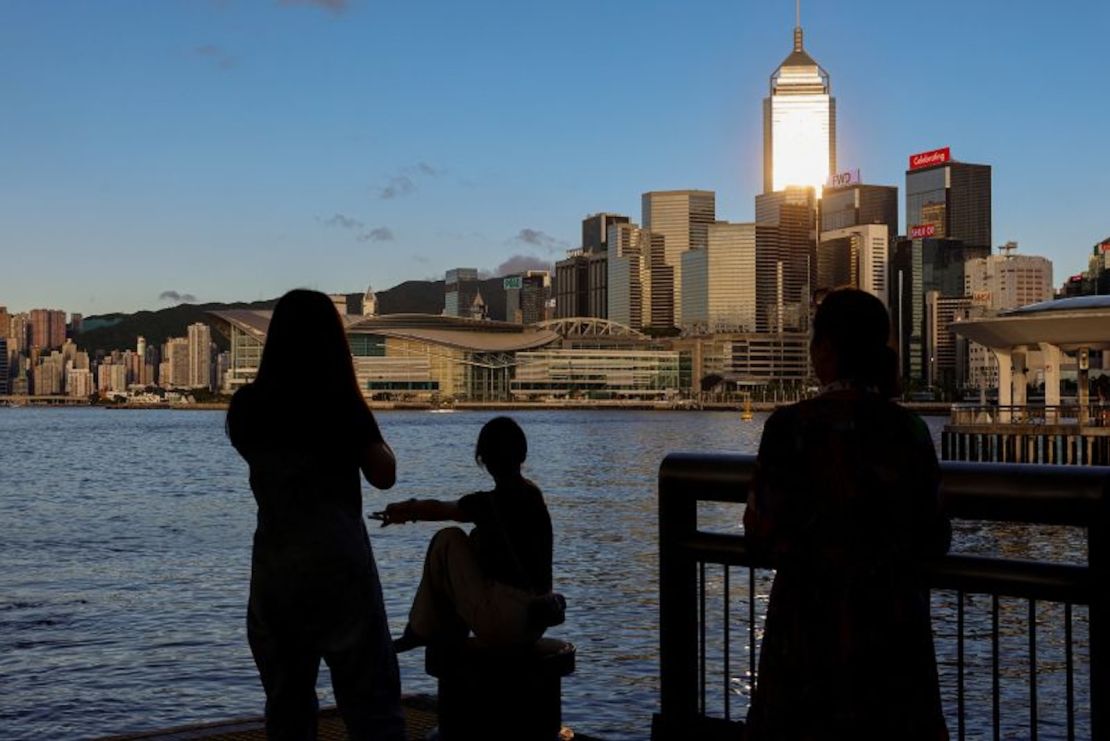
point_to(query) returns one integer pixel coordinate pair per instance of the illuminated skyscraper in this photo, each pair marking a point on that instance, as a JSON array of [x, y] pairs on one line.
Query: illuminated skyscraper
[[799, 123], [682, 219]]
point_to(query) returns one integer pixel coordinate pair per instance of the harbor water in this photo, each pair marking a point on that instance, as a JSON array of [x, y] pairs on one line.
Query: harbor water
[[125, 543]]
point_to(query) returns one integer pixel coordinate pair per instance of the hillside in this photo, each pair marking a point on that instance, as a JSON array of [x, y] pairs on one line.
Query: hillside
[[117, 331]]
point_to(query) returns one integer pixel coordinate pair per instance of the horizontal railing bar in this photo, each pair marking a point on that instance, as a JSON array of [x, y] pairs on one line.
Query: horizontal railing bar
[[977, 574], [1002, 492], [1049, 582], [1024, 492]]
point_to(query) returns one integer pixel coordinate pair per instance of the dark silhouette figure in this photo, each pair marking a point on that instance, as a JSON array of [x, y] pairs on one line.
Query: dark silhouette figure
[[496, 581], [845, 501], [306, 433]]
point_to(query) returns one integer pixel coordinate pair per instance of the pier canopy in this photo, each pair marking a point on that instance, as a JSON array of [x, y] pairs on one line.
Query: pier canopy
[[1072, 325]]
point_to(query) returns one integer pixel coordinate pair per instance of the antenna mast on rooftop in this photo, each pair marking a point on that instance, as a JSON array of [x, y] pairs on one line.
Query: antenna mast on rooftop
[[1008, 248], [797, 25]]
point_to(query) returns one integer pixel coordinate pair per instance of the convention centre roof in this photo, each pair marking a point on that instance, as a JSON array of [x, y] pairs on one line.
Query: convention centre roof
[[464, 334]]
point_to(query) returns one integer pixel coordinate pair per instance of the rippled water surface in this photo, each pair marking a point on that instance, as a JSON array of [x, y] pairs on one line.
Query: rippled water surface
[[125, 543]]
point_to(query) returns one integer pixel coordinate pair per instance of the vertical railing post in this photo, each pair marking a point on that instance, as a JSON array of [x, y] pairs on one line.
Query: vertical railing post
[[678, 619], [1098, 562]]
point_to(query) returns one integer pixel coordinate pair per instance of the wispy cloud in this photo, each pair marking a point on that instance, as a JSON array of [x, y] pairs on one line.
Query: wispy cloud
[[217, 55], [177, 298], [405, 181], [350, 223], [379, 234], [334, 6], [521, 263], [399, 185], [342, 221], [538, 238]]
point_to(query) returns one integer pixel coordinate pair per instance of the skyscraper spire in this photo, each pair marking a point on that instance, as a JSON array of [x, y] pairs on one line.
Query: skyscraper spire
[[797, 25]]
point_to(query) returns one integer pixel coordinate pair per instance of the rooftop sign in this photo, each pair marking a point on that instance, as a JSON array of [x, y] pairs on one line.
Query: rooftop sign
[[923, 231], [842, 179], [929, 159]]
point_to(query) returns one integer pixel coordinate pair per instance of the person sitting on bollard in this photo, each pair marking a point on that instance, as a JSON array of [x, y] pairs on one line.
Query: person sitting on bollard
[[496, 581], [845, 502]]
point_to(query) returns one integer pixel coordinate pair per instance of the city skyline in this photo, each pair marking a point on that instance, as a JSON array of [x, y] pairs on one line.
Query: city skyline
[[227, 152]]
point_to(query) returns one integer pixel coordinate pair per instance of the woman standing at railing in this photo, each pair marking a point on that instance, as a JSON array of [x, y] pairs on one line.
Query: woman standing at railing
[[314, 590], [845, 500]]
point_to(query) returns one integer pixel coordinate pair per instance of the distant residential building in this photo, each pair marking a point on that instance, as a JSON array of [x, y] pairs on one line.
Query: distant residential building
[[76, 324], [460, 289], [854, 257], [111, 378], [79, 383], [682, 219], [718, 291], [48, 328], [19, 331], [200, 356], [46, 376], [5, 380]]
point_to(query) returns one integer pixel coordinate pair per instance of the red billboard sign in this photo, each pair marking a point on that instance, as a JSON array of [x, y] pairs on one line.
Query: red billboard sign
[[928, 159], [923, 231]]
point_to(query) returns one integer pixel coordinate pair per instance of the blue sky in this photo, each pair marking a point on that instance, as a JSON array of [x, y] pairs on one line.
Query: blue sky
[[233, 149]]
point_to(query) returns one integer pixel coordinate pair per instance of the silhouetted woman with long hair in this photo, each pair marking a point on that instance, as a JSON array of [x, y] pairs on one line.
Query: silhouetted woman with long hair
[[845, 502], [308, 437]]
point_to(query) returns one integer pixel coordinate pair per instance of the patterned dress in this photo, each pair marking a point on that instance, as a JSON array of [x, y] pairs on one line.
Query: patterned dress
[[845, 501]]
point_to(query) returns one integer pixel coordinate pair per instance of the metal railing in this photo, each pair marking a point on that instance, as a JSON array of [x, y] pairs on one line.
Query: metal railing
[[1002, 493], [1095, 414]]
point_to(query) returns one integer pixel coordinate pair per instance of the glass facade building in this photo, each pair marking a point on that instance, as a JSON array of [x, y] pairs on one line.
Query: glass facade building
[[682, 219], [854, 205], [596, 373], [718, 291], [799, 124]]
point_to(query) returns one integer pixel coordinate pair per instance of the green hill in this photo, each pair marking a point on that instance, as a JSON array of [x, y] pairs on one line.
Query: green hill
[[117, 331]]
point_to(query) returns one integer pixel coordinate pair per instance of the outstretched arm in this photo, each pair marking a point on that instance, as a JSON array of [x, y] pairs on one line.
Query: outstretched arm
[[422, 510]]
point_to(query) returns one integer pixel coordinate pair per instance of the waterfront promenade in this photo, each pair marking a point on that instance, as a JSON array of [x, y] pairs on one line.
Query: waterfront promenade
[[126, 581]]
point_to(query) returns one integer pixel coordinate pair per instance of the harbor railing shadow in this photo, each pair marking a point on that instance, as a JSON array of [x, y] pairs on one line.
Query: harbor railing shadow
[[713, 596]]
